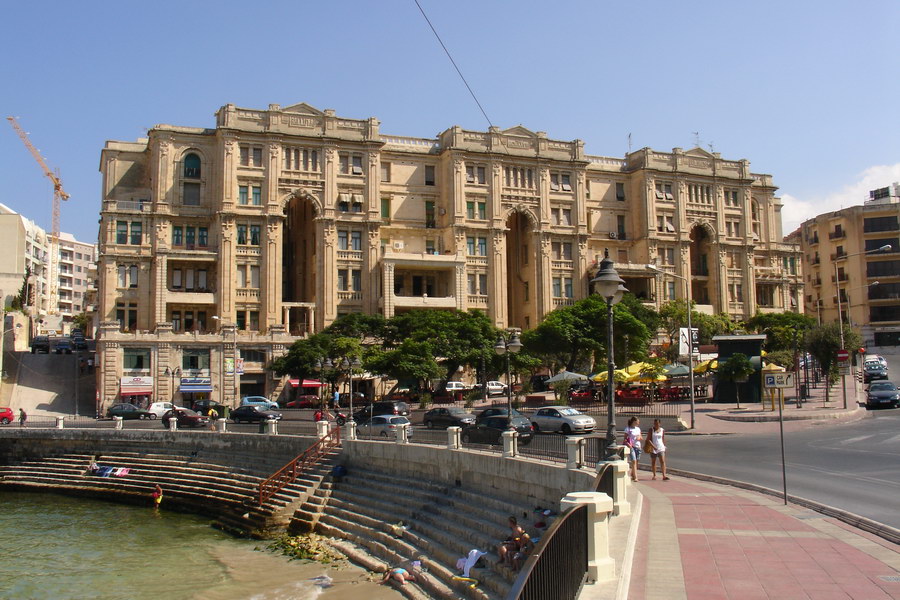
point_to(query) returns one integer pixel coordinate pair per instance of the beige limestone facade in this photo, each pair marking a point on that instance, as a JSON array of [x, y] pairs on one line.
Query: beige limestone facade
[[220, 246], [843, 256]]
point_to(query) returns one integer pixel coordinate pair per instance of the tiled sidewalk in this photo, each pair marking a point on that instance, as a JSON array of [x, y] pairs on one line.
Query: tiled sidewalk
[[700, 540]]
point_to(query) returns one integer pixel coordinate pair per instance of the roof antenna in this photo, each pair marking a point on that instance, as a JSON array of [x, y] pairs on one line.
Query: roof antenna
[[629, 143], [696, 139]]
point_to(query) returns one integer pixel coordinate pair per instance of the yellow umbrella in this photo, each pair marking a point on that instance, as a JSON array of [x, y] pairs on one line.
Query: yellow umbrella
[[637, 368], [707, 365], [618, 375], [773, 368], [642, 378]]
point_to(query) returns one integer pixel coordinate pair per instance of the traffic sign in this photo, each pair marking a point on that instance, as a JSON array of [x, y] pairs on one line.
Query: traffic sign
[[842, 355], [778, 380]]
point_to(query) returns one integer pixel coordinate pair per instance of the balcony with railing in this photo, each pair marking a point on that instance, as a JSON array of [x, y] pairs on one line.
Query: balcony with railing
[[837, 234]]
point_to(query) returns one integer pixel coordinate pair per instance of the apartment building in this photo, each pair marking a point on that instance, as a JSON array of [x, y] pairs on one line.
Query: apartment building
[[25, 248], [76, 272], [853, 267], [219, 246]]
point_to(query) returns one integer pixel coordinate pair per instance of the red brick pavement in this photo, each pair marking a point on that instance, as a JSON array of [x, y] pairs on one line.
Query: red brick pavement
[[737, 545]]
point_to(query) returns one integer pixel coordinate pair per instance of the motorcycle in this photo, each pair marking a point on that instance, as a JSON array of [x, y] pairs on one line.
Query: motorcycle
[[340, 418]]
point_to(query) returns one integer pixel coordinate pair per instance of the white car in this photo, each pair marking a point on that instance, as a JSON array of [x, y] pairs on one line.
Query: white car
[[455, 386], [562, 418], [161, 408], [384, 426], [496, 388]]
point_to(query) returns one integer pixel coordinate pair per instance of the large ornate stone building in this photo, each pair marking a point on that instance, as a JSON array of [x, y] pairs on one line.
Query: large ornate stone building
[[219, 246]]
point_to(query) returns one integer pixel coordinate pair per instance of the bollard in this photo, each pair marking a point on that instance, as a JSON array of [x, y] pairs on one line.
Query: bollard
[[59, 422], [321, 428], [453, 438], [118, 421], [173, 423], [402, 434], [220, 425], [601, 566], [510, 443], [271, 427], [575, 452], [351, 430]]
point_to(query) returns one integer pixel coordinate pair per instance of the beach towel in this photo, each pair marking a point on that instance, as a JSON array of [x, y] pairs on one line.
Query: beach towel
[[469, 561]]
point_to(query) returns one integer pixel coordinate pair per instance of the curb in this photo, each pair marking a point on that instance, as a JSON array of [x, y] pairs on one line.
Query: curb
[[624, 585], [757, 418], [883, 531]]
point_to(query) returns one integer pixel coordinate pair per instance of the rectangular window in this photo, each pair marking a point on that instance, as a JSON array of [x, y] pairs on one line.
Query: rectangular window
[[480, 176], [254, 276], [342, 280], [429, 175], [470, 210], [526, 291], [344, 163], [194, 359], [429, 215], [429, 246], [385, 172], [470, 246], [242, 276], [254, 235], [471, 280], [482, 210], [254, 320], [245, 156], [554, 182], [566, 217], [664, 191], [482, 284], [386, 208], [620, 226], [134, 359], [176, 279], [565, 182], [356, 280], [121, 232], [203, 236], [894, 243], [177, 235], [121, 276], [620, 192], [257, 157], [670, 290], [357, 168], [342, 237], [356, 240], [242, 235], [136, 233], [242, 194], [557, 287], [241, 320], [257, 195], [201, 279], [191, 195], [482, 246], [554, 216]]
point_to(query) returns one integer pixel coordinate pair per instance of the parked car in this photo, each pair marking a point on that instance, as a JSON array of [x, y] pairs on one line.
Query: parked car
[[562, 418], [79, 343], [161, 408], [403, 395], [303, 401], [447, 417], [496, 411], [40, 343], [539, 383], [6, 415], [186, 418], [876, 358], [254, 414], [129, 411], [63, 345], [490, 430], [258, 401], [381, 408], [581, 395], [383, 426], [203, 406], [874, 370], [496, 388], [882, 393], [455, 386]]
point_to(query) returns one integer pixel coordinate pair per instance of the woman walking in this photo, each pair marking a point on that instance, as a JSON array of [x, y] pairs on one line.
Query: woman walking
[[633, 443], [658, 449]]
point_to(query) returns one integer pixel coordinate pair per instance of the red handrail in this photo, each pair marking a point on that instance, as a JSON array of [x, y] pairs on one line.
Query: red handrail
[[289, 473]]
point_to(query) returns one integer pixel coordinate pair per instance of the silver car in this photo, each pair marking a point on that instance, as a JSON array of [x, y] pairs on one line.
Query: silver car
[[562, 418], [383, 426]]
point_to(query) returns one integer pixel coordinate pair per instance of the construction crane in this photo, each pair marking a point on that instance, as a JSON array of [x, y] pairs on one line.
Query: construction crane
[[59, 194]]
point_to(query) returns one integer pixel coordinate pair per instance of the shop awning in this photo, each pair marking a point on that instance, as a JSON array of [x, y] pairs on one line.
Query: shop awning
[[306, 383], [190, 388], [136, 390]]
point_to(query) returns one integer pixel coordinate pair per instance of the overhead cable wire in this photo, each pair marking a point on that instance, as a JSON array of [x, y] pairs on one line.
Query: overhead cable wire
[[461, 76]]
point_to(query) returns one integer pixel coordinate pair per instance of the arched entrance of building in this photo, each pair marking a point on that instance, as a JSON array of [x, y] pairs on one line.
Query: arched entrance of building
[[702, 290], [298, 274], [521, 272]]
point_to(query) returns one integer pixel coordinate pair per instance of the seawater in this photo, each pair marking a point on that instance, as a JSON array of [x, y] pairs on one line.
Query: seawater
[[59, 547]]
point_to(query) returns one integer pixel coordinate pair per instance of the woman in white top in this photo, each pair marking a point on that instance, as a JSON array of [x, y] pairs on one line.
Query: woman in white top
[[633, 443], [658, 449]]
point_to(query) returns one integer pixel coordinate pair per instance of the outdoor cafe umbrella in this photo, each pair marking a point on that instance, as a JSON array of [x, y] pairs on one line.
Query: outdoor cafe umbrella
[[618, 375], [707, 365], [566, 376], [637, 367], [676, 370]]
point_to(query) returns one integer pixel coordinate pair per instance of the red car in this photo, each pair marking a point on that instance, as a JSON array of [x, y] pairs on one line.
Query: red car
[[581, 395], [304, 401], [6, 415]]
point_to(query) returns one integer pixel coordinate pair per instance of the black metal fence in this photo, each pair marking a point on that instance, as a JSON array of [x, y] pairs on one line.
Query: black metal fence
[[558, 566]]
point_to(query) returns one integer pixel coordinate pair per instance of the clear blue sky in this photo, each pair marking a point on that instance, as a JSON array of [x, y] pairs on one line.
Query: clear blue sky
[[807, 91]]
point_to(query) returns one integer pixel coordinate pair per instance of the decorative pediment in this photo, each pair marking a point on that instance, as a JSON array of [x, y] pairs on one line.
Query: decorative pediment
[[520, 131], [698, 151], [303, 108]]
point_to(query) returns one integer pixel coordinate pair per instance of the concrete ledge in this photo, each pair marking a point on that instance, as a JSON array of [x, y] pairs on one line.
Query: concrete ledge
[[772, 416]]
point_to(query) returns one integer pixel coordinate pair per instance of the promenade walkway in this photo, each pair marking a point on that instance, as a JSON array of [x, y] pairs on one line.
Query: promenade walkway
[[699, 541]]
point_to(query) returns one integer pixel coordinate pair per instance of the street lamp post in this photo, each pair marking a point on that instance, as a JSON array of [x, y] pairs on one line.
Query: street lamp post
[[610, 287], [690, 309], [505, 347], [173, 373], [350, 365], [837, 287]]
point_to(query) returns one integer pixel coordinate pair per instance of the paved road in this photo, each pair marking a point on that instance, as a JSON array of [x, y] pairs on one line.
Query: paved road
[[851, 466]]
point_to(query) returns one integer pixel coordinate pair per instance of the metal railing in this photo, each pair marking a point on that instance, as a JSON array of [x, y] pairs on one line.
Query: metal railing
[[288, 474], [558, 566]]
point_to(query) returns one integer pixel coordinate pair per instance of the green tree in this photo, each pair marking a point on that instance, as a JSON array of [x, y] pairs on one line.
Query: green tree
[[823, 342], [20, 300], [736, 369], [673, 316], [782, 329]]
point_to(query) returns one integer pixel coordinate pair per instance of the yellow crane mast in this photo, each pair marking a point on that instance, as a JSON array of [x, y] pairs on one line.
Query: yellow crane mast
[[59, 194]]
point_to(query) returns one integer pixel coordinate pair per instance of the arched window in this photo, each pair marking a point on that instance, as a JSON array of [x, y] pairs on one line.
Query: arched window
[[133, 276], [192, 166]]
